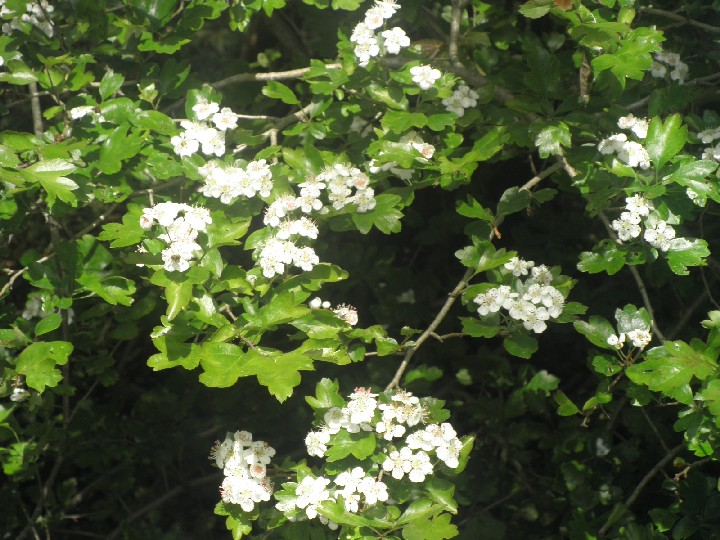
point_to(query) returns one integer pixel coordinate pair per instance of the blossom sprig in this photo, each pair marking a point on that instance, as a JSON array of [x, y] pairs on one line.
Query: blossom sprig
[[244, 463], [181, 223], [38, 13], [409, 444], [664, 60], [640, 217], [463, 97], [531, 300], [368, 44]]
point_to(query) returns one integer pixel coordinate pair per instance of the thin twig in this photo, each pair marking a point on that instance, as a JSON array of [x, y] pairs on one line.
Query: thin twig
[[527, 186], [681, 18], [641, 485], [638, 282], [459, 288], [20, 272], [684, 473]]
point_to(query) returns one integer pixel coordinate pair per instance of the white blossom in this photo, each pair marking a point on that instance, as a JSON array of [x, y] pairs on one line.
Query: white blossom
[[425, 76], [395, 39]]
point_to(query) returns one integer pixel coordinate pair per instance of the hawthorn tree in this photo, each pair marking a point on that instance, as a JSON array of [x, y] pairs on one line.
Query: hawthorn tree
[[418, 270]]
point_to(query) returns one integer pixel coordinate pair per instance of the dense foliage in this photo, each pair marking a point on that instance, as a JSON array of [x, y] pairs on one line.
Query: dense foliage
[[418, 270]]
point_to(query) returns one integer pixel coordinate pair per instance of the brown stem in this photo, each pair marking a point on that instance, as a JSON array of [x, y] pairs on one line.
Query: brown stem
[[459, 288]]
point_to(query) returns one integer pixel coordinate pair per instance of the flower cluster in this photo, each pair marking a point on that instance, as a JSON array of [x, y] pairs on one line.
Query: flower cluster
[[230, 182], [665, 60], [638, 210], [411, 141], [631, 153], [38, 13], [462, 98], [408, 448], [639, 126], [367, 44], [181, 231], [342, 185], [709, 136], [532, 302], [639, 339], [346, 312], [244, 463], [207, 132]]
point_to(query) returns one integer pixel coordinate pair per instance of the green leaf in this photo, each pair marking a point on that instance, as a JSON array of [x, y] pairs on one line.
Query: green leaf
[[277, 90], [114, 290], [401, 121], [668, 369], [37, 362], [342, 444], [711, 396], [605, 257], [631, 318], [534, 9], [565, 406], [118, 147], [597, 330], [483, 256], [110, 83], [684, 252], [442, 492], [437, 528], [521, 345], [50, 174], [48, 324], [178, 296], [551, 139], [385, 216], [665, 140], [327, 395], [513, 200]]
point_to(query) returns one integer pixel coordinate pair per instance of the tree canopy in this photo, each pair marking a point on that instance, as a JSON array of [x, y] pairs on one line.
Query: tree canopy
[[409, 270]]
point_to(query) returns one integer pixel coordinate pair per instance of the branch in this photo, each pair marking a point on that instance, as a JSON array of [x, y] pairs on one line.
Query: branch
[[527, 186], [269, 76], [36, 110], [641, 485], [638, 281], [430, 330], [639, 104], [457, 10], [677, 17]]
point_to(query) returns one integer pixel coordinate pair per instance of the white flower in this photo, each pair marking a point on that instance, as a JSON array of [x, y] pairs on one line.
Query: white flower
[[348, 314], [616, 341], [395, 39], [373, 490], [627, 227], [387, 7], [316, 442], [184, 146], [80, 112], [204, 109], [709, 135], [518, 266], [612, 144], [660, 235], [420, 466], [362, 405], [634, 155], [639, 126], [637, 204], [366, 50], [225, 119], [425, 76], [449, 452], [315, 303], [640, 338], [362, 34], [398, 462], [374, 17]]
